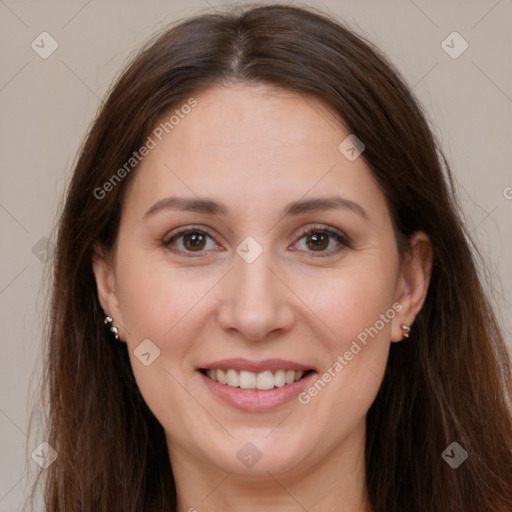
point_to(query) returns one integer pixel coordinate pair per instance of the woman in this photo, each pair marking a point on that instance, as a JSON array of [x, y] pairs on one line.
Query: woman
[[263, 293]]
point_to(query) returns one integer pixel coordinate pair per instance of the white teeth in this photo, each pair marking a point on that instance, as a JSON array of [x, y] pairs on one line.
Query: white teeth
[[232, 378], [247, 380], [265, 380], [299, 375], [279, 378], [251, 381], [221, 376]]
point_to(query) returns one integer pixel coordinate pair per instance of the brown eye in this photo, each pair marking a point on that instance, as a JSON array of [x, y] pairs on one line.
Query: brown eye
[[323, 241], [194, 241], [189, 240], [317, 241]]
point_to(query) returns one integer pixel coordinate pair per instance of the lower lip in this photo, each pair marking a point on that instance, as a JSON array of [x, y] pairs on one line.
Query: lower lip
[[257, 401]]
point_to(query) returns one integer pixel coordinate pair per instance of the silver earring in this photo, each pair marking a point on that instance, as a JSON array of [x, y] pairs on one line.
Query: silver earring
[[406, 330], [108, 320]]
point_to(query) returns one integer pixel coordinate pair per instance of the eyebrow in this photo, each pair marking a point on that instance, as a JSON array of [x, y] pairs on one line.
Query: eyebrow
[[211, 207]]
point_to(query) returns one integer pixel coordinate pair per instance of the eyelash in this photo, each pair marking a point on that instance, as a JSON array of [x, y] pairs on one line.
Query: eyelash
[[340, 237]]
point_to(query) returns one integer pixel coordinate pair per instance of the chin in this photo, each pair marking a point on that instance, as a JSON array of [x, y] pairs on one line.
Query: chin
[[258, 456]]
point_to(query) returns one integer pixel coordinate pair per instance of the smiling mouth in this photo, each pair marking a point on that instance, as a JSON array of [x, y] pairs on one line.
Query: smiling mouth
[[250, 381]]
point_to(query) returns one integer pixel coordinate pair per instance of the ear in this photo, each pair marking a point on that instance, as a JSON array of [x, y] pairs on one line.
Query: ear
[[105, 283], [413, 281]]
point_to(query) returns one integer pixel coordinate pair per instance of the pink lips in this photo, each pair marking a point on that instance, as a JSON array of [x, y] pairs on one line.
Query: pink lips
[[257, 401], [256, 367]]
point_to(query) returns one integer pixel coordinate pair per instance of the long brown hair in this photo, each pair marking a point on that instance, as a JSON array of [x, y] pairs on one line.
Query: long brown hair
[[451, 382]]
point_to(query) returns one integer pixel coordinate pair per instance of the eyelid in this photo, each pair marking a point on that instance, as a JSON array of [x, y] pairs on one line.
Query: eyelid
[[339, 235], [183, 230], [342, 238], [178, 232]]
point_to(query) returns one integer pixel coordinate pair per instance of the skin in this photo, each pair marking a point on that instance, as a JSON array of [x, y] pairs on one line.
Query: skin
[[255, 149]]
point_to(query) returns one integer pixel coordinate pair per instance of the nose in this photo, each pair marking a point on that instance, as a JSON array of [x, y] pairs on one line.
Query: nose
[[255, 301]]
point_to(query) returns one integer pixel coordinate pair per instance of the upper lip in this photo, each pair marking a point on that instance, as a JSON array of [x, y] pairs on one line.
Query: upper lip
[[254, 366]]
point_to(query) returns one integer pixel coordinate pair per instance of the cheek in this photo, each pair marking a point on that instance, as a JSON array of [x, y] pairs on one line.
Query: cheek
[[157, 305], [356, 304], [163, 304], [354, 364], [155, 297], [352, 302]]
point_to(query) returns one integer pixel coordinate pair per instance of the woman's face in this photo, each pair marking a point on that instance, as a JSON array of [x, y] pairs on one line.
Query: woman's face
[[288, 263]]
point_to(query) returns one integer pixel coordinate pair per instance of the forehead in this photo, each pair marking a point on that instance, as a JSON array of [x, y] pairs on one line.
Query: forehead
[[254, 116], [250, 142]]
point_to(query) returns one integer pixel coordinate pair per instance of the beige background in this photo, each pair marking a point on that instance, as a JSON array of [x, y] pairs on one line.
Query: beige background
[[47, 105]]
